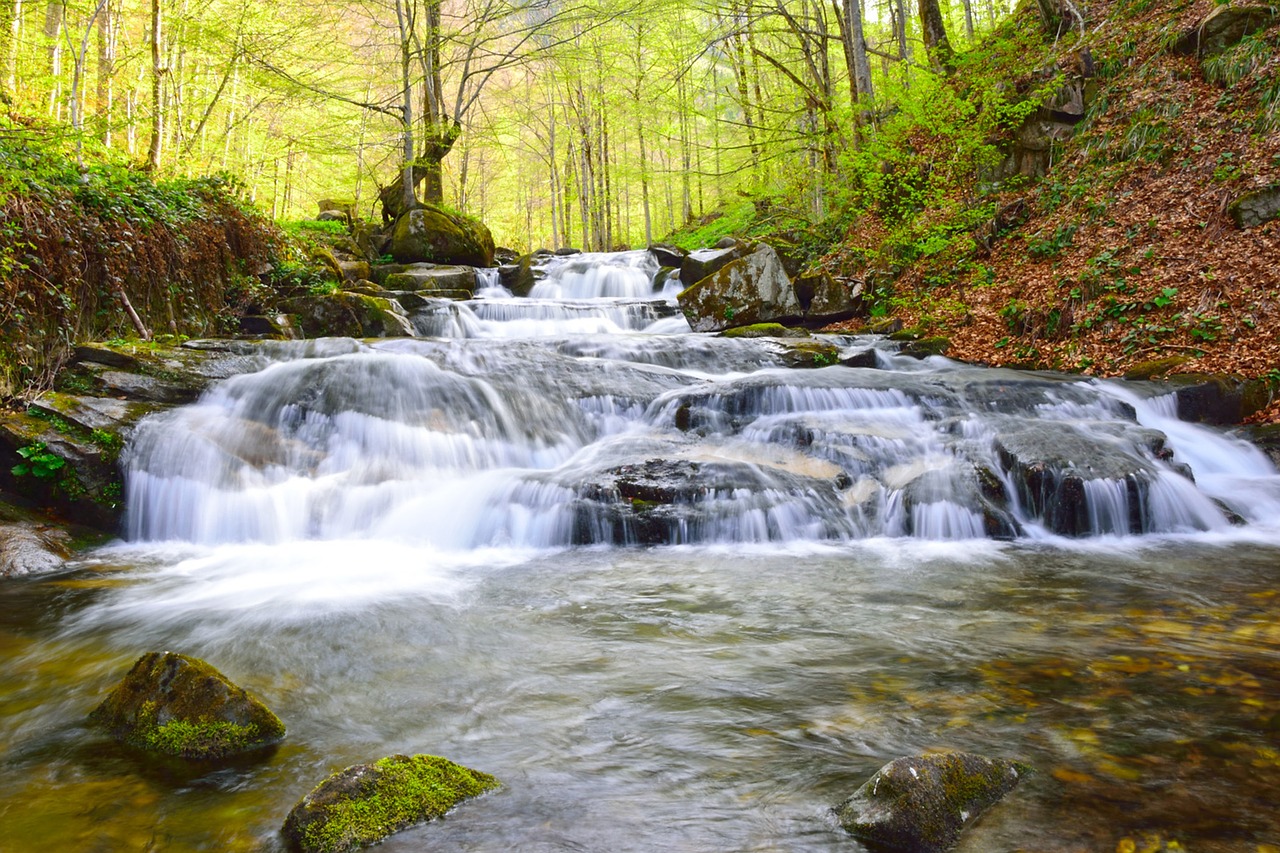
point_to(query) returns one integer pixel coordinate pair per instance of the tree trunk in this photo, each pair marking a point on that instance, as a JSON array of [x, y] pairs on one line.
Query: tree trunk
[[935, 37], [108, 39], [157, 87], [12, 24]]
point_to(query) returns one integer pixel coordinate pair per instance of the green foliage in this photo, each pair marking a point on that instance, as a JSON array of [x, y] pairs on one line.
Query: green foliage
[[1052, 245], [733, 221], [39, 462]]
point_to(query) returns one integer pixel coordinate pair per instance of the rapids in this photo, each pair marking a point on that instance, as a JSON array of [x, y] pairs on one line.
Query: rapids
[[674, 593]]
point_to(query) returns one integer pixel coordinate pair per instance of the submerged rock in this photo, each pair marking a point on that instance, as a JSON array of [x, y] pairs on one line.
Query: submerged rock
[[921, 804], [180, 706], [364, 803]]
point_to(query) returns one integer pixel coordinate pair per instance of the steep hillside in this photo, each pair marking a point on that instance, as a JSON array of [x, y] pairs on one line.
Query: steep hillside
[[1125, 251]]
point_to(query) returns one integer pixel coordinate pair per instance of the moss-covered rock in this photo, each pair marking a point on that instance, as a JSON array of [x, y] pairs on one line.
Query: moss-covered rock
[[365, 803], [920, 804], [349, 314], [764, 330], [180, 706], [435, 235]]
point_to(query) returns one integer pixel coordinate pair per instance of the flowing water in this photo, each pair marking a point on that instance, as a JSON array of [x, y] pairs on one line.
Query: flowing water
[[674, 593]]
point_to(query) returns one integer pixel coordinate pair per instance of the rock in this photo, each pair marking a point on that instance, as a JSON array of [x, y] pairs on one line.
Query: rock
[[921, 804], [1224, 27], [348, 315], [826, 300], [371, 241], [1155, 368], [364, 803], [1254, 208], [567, 251], [521, 276], [764, 330], [667, 255], [925, 347], [1215, 398], [354, 270], [696, 266], [431, 278], [331, 216], [27, 548], [749, 290], [862, 358], [503, 255], [277, 326], [180, 706], [729, 243], [810, 354], [432, 234], [345, 208]]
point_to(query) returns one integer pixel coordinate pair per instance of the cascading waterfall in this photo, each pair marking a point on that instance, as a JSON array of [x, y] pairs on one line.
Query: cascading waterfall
[[442, 544], [560, 422]]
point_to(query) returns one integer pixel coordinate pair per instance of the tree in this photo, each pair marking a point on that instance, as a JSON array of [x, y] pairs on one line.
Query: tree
[[936, 43]]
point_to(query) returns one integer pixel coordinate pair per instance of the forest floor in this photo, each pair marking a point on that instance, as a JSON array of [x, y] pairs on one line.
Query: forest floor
[[1125, 254]]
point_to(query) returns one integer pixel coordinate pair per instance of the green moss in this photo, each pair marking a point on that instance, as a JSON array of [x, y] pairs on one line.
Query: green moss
[[764, 330], [363, 804], [201, 740]]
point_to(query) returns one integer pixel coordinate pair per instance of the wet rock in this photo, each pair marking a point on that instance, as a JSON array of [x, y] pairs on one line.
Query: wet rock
[[749, 290], [826, 300], [351, 315], [180, 706], [925, 347], [864, 358], [354, 270], [667, 255], [922, 804], [434, 235], [277, 326], [696, 266], [1218, 399], [28, 548], [567, 251], [363, 804], [1223, 27], [764, 330], [521, 276], [1255, 208], [810, 354], [428, 277]]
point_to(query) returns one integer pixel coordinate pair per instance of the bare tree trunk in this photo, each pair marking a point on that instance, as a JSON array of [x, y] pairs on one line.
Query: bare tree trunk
[[108, 42], [407, 199], [12, 23], [968, 20], [157, 87], [54, 19]]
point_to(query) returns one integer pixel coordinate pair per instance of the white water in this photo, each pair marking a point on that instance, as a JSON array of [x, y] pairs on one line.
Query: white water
[[377, 538]]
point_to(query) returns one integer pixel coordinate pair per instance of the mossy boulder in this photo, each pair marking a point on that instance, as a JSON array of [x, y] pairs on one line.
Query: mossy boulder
[[1225, 26], [180, 706], [1255, 208], [750, 290], [921, 804], [349, 314], [435, 235], [364, 803]]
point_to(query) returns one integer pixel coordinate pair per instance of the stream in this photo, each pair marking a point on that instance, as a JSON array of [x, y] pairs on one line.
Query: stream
[[675, 593]]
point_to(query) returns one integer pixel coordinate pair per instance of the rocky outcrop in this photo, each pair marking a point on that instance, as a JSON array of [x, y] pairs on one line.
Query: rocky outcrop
[[363, 804], [1255, 208], [748, 290], [667, 255], [1223, 27], [826, 300], [922, 804], [180, 706], [434, 235]]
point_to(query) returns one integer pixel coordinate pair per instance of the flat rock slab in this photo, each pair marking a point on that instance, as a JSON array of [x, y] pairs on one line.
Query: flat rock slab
[[363, 804]]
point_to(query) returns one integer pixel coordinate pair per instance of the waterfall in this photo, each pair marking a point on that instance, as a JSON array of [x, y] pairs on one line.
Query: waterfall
[[587, 414]]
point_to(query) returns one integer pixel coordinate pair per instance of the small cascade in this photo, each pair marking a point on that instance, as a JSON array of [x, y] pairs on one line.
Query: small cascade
[[592, 275]]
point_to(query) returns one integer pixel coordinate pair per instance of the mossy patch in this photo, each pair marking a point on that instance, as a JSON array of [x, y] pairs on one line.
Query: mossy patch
[[764, 330], [365, 803], [180, 706]]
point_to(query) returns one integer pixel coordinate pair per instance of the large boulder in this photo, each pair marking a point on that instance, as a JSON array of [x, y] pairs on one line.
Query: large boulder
[[1223, 27], [363, 804], [696, 266], [825, 299], [435, 235], [180, 706], [920, 804], [749, 290]]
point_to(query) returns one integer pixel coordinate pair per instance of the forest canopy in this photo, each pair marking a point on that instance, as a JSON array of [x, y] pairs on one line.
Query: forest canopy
[[596, 123]]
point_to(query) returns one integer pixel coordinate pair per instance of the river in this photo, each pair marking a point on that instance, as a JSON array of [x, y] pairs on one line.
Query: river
[[675, 594]]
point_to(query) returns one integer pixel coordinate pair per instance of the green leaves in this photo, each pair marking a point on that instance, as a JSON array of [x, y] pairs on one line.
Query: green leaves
[[39, 462]]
